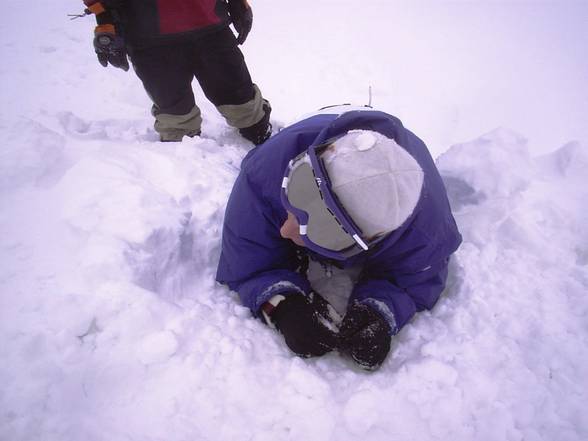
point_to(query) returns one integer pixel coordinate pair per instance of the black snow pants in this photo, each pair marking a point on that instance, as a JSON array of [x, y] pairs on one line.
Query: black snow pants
[[217, 63]]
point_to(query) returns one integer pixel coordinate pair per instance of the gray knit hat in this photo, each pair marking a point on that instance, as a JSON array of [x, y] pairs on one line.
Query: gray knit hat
[[376, 180]]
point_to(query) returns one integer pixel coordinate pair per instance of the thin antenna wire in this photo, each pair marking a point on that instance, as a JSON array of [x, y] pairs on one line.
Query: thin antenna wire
[[370, 96], [83, 14], [74, 16]]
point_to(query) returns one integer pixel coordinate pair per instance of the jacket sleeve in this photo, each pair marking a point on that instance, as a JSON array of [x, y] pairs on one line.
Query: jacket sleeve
[[398, 294], [255, 260], [409, 274], [105, 12]]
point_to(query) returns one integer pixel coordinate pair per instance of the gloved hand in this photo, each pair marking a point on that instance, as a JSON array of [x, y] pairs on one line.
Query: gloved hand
[[110, 48], [300, 323], [365, 335], [242, 18]]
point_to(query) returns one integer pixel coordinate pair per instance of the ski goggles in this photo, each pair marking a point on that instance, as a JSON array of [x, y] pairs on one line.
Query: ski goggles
[[325, 227]]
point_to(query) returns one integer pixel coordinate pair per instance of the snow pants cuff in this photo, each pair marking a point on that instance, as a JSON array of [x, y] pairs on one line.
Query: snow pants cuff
[[244, 115], [175, 127]]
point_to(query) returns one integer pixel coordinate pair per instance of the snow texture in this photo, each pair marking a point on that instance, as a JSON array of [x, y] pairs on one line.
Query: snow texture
[[111, 324]]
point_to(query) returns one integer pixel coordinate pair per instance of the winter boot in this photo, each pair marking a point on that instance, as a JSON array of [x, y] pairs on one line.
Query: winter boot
[[259, 132]]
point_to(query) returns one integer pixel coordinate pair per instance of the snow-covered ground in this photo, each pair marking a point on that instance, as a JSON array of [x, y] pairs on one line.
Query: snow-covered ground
[[111, 324]]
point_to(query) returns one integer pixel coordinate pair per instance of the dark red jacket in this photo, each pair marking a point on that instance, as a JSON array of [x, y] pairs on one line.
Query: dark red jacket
[[147, 23]]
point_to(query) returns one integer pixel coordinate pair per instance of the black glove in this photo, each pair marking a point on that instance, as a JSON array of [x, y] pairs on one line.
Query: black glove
[[110, 48], [365, 335], [242, 18], [305, 331]]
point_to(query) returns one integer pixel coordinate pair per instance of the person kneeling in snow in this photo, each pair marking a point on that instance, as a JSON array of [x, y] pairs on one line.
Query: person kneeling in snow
[[354, 190]]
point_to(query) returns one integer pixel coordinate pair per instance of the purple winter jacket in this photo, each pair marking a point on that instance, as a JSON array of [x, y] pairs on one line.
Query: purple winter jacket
[[401, 275]]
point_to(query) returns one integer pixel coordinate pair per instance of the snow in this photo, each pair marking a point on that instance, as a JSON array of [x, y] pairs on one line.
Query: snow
[[111, 324]]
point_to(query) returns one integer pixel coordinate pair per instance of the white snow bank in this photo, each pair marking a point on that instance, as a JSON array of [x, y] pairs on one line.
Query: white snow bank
[[113, 328], [111, 325]]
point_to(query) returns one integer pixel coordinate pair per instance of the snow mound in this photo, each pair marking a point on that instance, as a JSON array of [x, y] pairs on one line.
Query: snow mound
[[112, 325]]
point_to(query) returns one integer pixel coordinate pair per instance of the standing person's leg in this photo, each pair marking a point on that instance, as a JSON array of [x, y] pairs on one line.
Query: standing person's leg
[[219, 67], [167, 73]]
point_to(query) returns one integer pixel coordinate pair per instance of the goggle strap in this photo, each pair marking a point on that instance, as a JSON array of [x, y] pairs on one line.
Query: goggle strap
[[303, 229], [360, 242]]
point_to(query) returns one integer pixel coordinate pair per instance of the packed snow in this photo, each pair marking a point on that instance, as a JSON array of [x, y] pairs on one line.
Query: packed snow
[[111, 324]]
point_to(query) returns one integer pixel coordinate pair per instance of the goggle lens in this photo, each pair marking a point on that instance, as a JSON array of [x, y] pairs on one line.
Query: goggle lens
[[303, 193]]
